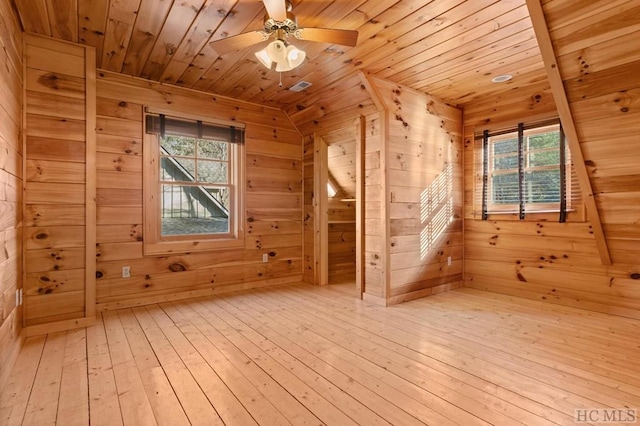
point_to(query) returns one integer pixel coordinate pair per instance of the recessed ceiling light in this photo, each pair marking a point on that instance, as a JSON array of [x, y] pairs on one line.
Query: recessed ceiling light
[[501, 78]]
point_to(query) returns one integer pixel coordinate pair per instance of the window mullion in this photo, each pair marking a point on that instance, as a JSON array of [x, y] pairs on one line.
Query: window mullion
[[563, 177], [521, 169], [485, 172]]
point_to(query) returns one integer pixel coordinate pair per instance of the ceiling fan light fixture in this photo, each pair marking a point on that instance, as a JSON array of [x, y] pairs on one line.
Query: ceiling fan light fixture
[[263, 58], [285, 57]]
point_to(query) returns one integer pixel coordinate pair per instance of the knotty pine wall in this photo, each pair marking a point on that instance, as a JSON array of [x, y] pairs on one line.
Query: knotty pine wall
[[309, 256], [58, 153], [341, 164], [11, 180], [273, 201], [540, 258], [423, 168]]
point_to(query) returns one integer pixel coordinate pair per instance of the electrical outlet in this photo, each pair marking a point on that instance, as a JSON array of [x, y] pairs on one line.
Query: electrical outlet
[[126, 272], [449, 261], [265, 258]]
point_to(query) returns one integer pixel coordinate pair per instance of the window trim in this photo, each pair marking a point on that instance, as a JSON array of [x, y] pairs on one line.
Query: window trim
[[153, 242], [575, 211], [529, 208]]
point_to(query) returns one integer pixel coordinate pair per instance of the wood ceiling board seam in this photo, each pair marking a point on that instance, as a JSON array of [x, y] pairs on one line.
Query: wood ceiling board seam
[[456, 40], [518, 32], [119, 27], [63, 19], [151, 18], [447, 26], [479, 81], [197, 38], [34, 16], [537, 75], [175, 27], [244, 14], [487, 65], [92, 21]]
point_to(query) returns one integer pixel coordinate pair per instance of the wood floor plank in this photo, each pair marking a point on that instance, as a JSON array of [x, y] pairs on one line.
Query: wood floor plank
[[15, 394], [197, 407], [257, 334], [553, 347], [134, 403], [219, 395], [43, 402], [403, 377], [104, 405], [416, 370], [163, 400], [73, 405], [510, 353], [259, 407], [314, 360], [376, 379], [300, 354], [292, 409], [306, 395], [438, 350]]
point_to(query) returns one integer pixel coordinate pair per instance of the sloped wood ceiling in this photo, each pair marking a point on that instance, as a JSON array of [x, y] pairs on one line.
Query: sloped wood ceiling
[[447, 48]]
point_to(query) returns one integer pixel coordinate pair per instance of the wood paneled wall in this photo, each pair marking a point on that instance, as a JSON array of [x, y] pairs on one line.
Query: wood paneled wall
[[58, 154], [11, 180], [273, 199], [309, 251], [375, 237], [559, 263], [423, 192], [341, 164]]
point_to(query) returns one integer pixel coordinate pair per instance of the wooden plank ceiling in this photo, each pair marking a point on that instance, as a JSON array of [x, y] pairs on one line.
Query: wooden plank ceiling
[[447, 48]]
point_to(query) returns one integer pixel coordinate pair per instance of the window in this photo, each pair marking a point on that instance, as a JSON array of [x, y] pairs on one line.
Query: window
[[527, 170], [192, 184]]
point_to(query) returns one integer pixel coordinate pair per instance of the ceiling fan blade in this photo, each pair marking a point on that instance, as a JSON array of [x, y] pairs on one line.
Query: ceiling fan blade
[[326, 35], [276, 9], [238, 42]]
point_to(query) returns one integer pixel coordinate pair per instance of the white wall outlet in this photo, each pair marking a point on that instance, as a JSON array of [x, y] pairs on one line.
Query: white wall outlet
[[126, 271], [449, 261], [265, 258]]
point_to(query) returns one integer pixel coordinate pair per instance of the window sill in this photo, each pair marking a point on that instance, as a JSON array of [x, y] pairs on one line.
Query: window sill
[[189, 246]]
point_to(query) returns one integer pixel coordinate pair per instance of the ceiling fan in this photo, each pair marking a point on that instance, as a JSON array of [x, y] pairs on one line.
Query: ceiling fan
[[280, 24]]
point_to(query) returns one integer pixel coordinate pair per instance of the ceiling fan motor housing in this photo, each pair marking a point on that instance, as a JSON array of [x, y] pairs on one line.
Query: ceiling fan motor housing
[[288, 26]]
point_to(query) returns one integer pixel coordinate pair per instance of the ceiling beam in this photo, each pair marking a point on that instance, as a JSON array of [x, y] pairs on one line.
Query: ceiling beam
[[566, 117]]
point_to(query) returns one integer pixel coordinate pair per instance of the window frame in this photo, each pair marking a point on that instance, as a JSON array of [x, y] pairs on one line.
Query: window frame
[[530, 208], [154, 242], [575, 208]]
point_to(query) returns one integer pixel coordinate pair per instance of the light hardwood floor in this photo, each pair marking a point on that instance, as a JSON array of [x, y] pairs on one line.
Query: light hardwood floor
[[307, 355]]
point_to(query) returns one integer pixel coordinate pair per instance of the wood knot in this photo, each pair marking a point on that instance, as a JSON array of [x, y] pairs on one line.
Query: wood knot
[[635, 276], [41, 236], [99, 274], [177, 267]]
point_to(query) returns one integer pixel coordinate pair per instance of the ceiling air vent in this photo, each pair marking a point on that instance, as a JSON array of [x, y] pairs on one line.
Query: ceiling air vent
[[300, 86]]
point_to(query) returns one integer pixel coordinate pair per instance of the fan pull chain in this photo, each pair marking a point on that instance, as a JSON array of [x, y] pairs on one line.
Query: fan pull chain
[[280, 80]]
